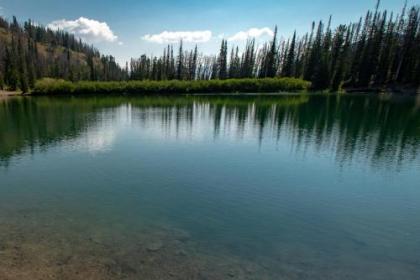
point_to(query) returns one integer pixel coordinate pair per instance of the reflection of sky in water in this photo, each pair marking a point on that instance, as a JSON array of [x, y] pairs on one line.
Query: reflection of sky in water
[[100, 135], [97, 139]]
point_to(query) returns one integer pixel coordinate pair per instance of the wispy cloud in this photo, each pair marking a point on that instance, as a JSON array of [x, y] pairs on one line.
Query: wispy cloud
[[88, 29], [252, 33], [174, 37]]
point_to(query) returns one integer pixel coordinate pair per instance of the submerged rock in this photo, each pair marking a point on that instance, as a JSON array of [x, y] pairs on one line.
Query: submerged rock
[[127, 269], [181, 253], [155, 246], [251, 268], [182, 236]]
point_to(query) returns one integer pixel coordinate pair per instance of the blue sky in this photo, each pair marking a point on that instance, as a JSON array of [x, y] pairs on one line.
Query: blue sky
[[120, 27]]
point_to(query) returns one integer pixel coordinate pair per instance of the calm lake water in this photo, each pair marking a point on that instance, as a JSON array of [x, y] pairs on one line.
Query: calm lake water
[[232, 187]]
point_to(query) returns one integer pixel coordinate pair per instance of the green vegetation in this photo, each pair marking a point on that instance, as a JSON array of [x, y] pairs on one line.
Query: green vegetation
[[381, 50], [57, 87]]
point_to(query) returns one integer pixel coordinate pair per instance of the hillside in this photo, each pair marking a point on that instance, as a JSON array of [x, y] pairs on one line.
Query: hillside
[[31, 52]]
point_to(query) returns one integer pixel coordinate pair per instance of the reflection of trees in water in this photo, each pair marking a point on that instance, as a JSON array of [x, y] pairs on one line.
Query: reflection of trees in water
[[352, 128], [347, 126], [355, 126], [27, 124]]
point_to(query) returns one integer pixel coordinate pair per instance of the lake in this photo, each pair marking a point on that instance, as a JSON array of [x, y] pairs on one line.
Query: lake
[[210, 187]]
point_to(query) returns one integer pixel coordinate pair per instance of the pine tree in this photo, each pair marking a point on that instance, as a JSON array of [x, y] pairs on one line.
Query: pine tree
[[338, 57], [11, 66], [180, 62], [271, 64], [314, 66], [289, 62], [222, 61], [23, 73]]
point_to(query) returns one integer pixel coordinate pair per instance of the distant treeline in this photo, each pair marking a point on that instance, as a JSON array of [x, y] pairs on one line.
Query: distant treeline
[[380, 50]]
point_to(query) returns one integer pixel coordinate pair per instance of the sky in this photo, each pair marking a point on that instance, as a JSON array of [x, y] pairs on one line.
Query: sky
[[130, 28]]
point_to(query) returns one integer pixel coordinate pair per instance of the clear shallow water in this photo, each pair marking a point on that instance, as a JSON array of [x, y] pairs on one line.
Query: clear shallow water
[[280, 187]]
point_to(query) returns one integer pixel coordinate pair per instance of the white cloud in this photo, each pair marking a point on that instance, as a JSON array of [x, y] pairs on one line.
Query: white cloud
[[174, 37], [252, 33], [88, 29]]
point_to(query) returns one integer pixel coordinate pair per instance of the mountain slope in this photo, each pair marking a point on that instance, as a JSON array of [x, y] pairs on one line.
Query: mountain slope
[[31, 52]]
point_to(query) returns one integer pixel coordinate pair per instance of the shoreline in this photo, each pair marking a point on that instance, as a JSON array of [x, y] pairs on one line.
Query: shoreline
[[5, 93], [395, 91]]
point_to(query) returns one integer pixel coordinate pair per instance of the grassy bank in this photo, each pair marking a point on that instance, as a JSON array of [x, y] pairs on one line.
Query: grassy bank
[[61, 87]]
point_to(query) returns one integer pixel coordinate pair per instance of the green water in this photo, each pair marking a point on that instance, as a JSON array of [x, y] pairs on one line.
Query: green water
[[233, 187]]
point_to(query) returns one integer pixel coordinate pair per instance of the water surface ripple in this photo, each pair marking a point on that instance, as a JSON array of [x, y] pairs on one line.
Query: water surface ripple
[[216, 187]]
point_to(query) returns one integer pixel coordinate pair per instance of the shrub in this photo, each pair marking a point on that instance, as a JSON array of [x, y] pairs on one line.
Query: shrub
[[49, 86]]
